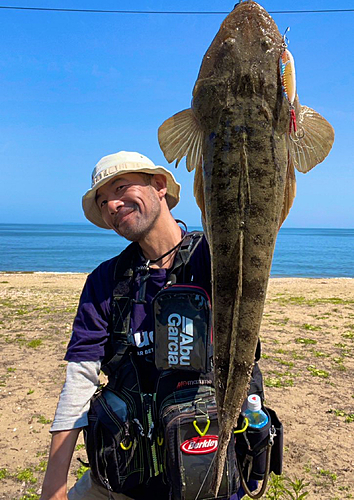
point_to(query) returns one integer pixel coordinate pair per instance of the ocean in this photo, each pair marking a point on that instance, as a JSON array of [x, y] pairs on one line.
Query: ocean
[[68, 248]]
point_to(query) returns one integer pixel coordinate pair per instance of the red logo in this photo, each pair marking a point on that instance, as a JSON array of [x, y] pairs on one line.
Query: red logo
[[200, 445]]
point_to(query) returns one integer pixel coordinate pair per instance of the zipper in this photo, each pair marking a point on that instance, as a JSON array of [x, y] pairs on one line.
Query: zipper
[[185, 416], [150, 435], [105, 478], [148, 425], [185, 397]]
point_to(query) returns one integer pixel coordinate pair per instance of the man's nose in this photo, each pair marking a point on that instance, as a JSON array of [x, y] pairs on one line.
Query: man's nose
[[113, 205]]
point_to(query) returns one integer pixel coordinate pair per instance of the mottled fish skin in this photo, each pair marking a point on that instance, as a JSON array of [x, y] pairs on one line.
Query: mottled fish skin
[[245, 119], [236, 135]]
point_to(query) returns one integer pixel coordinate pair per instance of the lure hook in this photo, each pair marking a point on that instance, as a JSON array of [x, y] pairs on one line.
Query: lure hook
[[285, 38]]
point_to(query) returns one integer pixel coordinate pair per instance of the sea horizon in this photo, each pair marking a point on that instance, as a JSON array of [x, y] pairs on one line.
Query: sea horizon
[[79, 247]]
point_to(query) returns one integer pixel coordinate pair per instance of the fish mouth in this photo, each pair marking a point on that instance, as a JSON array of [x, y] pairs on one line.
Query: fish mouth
[[252, 20]]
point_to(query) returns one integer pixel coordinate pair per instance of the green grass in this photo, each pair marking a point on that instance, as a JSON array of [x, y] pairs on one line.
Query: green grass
[[278, 382], [320, 354], [302, 301], [285, 488], [25, 475], [22, 312], [349, 417], [81, 471], [42, 420], [30, 495], [283, 362], [327, 473], [296, 355], [42, 466], [305, 341], [281, 351], [3, 474], [34, 344], [316, 372], [307, 326]]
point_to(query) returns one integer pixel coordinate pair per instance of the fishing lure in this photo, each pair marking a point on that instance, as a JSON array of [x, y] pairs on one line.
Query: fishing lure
[[288, 81]]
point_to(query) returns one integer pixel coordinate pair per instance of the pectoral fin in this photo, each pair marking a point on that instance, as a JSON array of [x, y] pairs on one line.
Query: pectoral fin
[[289, 193], [181, 136], [313, 140]]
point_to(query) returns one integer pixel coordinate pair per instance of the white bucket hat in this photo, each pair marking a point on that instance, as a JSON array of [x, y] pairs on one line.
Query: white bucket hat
[[120, 163]]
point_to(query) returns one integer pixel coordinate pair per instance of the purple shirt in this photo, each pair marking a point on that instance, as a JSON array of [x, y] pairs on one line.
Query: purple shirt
[[92, 324]]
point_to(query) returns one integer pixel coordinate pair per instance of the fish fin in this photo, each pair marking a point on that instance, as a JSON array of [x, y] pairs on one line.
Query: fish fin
[[313, 140], [181, 136], [199, 188], [290, 191]]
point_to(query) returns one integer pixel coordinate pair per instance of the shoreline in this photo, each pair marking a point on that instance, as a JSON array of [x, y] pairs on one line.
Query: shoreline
[[80, 273]]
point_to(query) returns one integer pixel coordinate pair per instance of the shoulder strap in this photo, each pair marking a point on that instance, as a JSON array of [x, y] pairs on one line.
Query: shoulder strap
[[123, 293], [187, 248], [121, 306]]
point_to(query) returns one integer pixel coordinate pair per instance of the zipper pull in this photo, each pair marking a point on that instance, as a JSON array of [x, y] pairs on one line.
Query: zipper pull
[[140, 427], [151, 431], [108, 487]]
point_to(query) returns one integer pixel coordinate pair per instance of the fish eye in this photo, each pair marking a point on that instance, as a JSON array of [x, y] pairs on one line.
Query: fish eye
[[266, 44]]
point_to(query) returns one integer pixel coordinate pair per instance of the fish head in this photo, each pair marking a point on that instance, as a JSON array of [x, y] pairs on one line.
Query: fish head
[[241, 69]]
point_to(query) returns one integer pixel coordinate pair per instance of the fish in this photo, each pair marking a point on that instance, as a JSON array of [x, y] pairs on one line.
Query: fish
[[244, 135]]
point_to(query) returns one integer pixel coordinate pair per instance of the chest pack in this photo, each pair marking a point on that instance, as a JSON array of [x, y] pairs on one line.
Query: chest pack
[[172, 432]]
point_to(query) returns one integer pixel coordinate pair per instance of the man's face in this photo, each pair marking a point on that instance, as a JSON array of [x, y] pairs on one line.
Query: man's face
[[130, 205]]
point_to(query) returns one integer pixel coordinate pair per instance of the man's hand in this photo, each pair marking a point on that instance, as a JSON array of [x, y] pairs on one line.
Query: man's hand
[[61, 452]]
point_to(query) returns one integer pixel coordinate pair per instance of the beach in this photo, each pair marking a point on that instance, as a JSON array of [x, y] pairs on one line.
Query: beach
[[307, 345]]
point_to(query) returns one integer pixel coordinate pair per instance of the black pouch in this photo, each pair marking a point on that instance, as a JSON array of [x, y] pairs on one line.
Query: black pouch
[[251, 447], [276, 458], [188, 439], [118, 442], [182, 338], [113, 443]]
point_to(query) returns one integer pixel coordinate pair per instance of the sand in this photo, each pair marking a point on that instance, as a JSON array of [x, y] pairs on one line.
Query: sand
[[307, 343]]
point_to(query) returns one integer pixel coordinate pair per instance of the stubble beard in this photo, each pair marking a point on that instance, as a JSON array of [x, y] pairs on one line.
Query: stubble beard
[[142, 224]]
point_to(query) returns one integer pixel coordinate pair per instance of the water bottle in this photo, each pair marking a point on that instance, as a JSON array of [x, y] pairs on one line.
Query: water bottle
[[256, 416]]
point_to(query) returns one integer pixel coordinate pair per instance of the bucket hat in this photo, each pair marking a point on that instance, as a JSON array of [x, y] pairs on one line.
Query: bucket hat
[[124, 162]]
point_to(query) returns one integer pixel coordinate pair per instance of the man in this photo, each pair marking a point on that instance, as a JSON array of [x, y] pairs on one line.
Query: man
[[132, 196]]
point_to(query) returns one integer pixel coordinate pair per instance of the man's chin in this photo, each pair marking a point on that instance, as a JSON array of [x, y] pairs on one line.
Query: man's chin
[[128, 232]]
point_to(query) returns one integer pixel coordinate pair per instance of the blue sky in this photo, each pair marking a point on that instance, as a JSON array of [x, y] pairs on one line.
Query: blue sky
[[77, 86]]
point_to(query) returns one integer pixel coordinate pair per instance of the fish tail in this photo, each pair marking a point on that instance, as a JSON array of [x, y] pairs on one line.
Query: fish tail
[[223, 441]]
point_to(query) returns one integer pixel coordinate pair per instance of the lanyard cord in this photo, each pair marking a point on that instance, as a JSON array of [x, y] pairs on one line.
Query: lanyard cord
[[153, 261], [144, 270]]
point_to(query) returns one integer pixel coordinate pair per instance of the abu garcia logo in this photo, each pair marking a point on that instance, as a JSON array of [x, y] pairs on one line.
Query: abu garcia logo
[[180, 339], [200, 445]]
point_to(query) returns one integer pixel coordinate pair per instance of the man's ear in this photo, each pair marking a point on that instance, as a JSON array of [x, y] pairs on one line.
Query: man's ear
[[159, 182]]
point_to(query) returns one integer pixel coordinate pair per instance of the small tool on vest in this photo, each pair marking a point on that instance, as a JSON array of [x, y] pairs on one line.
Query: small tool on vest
[[144, 276]]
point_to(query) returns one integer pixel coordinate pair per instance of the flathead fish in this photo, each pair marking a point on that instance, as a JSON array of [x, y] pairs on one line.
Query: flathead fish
[[244, 134]]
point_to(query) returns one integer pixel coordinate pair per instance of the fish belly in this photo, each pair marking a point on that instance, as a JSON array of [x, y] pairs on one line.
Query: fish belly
[[244, 175]]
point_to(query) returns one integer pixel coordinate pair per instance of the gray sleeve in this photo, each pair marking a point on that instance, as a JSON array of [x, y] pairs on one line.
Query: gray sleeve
[[74, 401]]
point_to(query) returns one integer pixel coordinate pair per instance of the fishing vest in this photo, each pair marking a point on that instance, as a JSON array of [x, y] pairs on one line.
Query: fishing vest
[[122, 299], [173, 432]]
